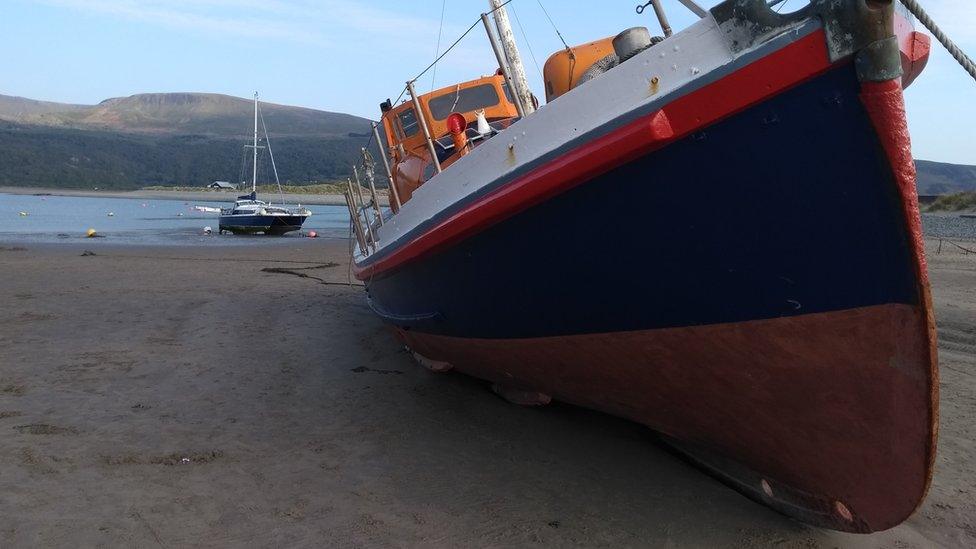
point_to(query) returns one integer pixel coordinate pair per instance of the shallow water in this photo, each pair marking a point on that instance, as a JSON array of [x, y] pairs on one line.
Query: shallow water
[[155, 222], [134, 221]]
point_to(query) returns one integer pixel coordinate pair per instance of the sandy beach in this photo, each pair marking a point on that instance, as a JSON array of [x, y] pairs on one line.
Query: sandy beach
[[244, 396]]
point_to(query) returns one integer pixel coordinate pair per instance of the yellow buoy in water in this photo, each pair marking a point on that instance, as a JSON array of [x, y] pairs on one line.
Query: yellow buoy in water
[[91, 233]]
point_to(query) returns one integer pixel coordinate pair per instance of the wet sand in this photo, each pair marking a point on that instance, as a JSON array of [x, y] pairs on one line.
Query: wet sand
[[183, 397]]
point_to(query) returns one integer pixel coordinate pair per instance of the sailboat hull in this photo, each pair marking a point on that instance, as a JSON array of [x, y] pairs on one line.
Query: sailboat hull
[[261, 224]]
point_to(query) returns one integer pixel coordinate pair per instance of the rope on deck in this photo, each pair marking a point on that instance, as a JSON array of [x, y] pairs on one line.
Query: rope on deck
[[960, 56]]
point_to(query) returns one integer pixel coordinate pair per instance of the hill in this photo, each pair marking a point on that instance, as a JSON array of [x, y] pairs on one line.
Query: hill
[[180, 113], [190, 139], [168, 139], [941, 178], [22, 109]]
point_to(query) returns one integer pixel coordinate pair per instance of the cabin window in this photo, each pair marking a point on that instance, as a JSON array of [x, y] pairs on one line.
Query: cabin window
[[464, 100], [408, 122]]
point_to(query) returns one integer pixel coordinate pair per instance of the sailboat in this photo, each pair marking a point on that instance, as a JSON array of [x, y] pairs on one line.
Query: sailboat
[[250, 215]]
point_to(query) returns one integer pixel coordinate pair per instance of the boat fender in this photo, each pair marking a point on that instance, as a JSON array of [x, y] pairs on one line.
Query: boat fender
[[626, 45], [598, 68], [631, 42]]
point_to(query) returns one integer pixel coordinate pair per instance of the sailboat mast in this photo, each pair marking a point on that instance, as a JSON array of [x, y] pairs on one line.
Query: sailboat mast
[[254, 178]]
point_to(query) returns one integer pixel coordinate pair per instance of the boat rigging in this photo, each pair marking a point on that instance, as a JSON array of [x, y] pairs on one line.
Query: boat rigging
[[252, 216]]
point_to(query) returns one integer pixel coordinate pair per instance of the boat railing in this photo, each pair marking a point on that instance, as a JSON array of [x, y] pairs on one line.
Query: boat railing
[[366, 217], [365, 212]]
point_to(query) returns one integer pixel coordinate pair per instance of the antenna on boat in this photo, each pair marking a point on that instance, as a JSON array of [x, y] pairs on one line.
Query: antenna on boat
[[516, 68]]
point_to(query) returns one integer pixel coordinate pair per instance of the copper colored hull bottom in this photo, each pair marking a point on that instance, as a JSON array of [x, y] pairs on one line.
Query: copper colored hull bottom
[[826, 417]]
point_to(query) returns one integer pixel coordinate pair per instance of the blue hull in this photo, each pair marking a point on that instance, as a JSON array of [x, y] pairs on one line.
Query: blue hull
[[705, 231], [267, 224]]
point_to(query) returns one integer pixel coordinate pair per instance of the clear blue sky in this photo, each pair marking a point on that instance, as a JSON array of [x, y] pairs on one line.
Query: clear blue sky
[[348, 55]]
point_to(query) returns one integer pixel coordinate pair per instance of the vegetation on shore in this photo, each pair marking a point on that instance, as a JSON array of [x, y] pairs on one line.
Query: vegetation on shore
[[331, 188], [36, 156], [953, 203]]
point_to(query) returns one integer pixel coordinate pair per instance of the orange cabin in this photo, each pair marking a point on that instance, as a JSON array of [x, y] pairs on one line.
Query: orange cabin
[[411, 163]]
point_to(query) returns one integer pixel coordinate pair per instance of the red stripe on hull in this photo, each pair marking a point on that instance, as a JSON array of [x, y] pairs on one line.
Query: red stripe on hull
[[824, 408], [771, 75]]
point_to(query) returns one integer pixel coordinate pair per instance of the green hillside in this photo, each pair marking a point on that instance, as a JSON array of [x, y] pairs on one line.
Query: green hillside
[[191, 139], [958, 202], [172, 139], [36, 156]]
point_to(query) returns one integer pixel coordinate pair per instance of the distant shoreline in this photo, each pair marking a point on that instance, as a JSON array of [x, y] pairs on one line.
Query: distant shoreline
[[212, 196]]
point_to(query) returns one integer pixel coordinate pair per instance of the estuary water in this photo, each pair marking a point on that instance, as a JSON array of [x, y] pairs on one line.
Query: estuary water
[[31, 218], [156, 222]]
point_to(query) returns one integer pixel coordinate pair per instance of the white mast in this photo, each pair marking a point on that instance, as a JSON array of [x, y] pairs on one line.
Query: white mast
[[521, 92], [254, 179]]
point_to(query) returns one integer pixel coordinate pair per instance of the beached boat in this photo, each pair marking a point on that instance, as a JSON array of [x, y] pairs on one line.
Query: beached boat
[[715, 234], [250, 215]]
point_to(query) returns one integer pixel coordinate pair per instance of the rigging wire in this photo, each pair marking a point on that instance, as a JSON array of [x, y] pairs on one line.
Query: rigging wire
[[456, 42], [267, 140], [441, 56], [448, 50], [527, 43], [559, 34], [437, 50], [569, 50]]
